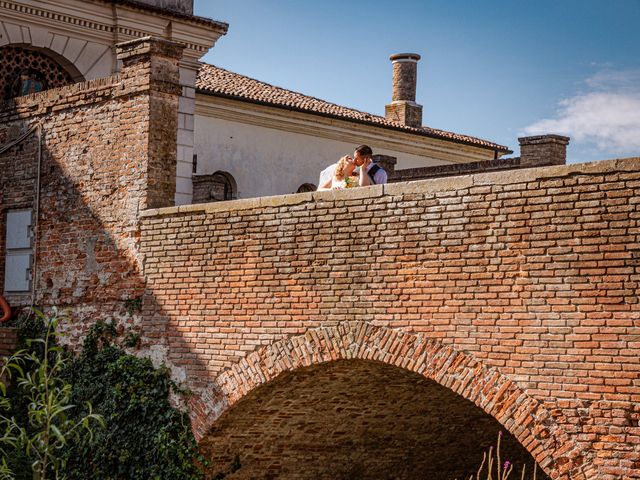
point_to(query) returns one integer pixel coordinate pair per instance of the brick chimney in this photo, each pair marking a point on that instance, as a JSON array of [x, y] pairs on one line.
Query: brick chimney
[[403, 107], [543, 150], [386, 161]]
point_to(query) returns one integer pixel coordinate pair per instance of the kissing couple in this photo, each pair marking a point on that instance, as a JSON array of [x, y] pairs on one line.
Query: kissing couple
[[342, 174]]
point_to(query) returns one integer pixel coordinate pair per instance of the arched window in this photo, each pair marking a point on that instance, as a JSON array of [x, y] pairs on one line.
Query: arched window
[[27, 70], [214, 188], [307, 187]]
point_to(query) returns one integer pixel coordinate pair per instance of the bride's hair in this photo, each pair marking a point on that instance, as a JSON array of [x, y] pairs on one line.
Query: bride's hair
[[342, 163]]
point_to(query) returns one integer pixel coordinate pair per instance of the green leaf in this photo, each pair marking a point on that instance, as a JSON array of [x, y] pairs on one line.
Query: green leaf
[[58, 434]]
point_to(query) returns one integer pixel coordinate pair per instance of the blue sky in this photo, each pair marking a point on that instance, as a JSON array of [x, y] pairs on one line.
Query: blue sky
[[493, 69]]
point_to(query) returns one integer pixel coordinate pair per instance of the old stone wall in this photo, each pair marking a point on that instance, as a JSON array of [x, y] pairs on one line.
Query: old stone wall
[[104, 151], [528, 280], [421, 173]]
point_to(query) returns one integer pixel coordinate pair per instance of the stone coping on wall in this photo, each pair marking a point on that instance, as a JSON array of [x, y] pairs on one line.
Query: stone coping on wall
[[434, 185]]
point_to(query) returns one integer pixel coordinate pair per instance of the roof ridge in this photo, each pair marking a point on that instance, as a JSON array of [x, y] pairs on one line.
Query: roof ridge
[[211, 80], [291, 91]]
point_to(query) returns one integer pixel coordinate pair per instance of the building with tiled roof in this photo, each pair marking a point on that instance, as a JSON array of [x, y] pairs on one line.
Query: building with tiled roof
[[51, 43], [237, 137], [270, 140], [223, 83]]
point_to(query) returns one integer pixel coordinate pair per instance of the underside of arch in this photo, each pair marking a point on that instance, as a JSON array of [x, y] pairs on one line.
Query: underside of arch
[[520, 414], [357, 419]]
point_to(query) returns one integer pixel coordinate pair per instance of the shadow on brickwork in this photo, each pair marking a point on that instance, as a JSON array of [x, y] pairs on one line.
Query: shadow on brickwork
[[85, 160], [106, 155], [516, 290], [77, 258]]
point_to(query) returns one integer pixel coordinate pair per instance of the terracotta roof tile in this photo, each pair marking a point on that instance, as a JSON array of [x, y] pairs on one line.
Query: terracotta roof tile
[[220, 82]]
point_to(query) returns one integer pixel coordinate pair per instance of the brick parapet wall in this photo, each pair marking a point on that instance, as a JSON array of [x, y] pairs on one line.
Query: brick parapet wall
[[108, 152], [538, 151], [29, 107], [533, 273], [421, 173]]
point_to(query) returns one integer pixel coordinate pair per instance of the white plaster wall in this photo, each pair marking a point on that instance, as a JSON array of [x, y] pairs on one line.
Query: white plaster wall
[[267, 161], [186, 111]]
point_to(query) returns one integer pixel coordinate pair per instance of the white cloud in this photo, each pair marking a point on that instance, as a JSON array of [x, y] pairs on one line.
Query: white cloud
[[618, 80], [606, 118]]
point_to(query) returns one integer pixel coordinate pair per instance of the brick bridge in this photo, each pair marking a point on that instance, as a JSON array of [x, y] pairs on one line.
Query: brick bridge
[[518, 291], [506, 297]]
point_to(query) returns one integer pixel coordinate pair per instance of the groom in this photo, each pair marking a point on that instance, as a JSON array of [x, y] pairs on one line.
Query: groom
[[362, 157]]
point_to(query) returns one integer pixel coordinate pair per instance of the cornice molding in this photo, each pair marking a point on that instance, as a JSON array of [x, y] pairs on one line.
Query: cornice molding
[[334, 129], [49, 15], [117, 21]]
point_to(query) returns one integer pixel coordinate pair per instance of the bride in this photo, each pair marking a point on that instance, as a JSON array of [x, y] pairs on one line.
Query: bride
[[344, 177]]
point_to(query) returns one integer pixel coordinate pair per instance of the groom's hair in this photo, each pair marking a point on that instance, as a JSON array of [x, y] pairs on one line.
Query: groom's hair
[[364, 150]]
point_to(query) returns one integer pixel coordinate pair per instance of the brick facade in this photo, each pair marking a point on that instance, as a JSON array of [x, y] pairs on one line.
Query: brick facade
[[105, 150], [516, 290], [8, 340]]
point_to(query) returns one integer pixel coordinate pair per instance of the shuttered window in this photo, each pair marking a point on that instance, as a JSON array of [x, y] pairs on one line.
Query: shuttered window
[[19, 251]]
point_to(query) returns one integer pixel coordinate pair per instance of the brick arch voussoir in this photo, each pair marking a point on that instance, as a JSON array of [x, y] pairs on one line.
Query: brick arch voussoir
[[523, 416]]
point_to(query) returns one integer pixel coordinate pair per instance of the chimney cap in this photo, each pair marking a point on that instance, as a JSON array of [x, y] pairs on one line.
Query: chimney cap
[[404, 56], [548, 138]]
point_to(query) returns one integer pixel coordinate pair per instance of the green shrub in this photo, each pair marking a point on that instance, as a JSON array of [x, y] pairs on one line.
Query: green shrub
[[145, 437], [37, 418]]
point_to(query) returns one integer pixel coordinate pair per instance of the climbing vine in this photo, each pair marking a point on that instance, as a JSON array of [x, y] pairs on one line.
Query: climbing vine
[[145, 437]]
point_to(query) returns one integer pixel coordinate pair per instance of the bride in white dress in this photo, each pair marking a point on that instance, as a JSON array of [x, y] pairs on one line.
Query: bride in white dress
[[344, 177]]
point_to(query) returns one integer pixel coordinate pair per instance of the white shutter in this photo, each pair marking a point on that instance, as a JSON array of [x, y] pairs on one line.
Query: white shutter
[[18, 229], [18, 249], [17, 272]]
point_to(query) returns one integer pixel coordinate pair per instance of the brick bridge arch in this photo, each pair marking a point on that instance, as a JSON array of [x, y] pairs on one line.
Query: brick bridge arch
[[523, 416]]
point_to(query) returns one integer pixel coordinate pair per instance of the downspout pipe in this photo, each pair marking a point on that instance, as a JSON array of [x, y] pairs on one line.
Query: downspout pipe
[[34, 267]]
